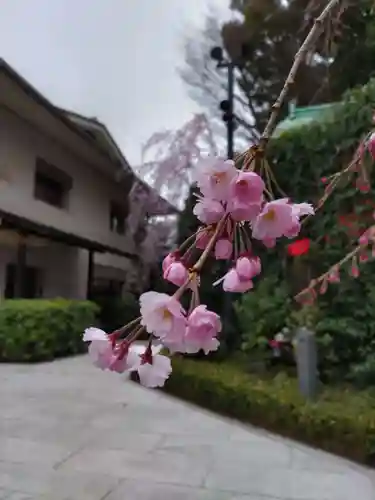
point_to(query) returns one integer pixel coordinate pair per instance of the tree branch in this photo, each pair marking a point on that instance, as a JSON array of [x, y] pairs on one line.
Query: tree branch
[[305, 48]]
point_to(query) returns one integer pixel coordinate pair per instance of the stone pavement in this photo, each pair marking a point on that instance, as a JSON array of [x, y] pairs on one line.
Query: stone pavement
[[70, 432]]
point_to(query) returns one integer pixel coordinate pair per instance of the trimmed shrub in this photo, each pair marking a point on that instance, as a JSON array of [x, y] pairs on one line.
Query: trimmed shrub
[[41, 330], [262, 313], [339, 421]]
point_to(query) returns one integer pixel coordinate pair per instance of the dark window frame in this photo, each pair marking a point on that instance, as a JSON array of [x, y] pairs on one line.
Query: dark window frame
[[108, 286], [33, 282], [51, 185], [117, 218]]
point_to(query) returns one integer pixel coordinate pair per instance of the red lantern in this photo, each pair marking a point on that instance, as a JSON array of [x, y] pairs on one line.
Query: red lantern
[[299, 247]]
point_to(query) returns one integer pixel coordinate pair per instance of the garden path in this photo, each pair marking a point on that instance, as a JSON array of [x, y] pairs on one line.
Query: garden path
[[69, 431]]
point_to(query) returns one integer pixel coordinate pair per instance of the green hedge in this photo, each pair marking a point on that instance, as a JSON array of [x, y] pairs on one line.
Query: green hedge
[[340, 421], [41, 330]]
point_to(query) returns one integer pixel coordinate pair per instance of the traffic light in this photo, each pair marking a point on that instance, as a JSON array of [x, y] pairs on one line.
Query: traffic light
[[217, 54], [225, 106]]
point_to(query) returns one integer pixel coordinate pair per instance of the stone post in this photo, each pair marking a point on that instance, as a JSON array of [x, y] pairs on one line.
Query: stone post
[[307, 362]]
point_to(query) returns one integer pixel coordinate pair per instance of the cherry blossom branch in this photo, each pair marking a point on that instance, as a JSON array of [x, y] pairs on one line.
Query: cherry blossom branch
[[357, 164], [332, 275], [333, 184], [299, 58], [202, 259], [234, 207]]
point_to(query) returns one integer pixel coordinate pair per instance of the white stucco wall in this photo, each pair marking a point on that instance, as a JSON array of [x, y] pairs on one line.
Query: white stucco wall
[[88, 212]]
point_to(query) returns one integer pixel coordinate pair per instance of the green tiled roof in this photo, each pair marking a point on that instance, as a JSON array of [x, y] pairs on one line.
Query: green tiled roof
[[303, 116]]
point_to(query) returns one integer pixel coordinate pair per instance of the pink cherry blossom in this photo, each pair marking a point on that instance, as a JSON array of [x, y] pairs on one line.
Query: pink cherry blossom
[[213, 176], [301, 209], [363, 239], [100, 348], [293, 231], [234, 283], [246, 196], [188, 346], [161, 314], [371, 145], [202, 330], [168, 260], [354, 269], [125, 359], [366, 237], [240, 211], [223, 249], [153, 369], [181, 345], [334, 275], [176, 273], [248, 267], [176, 345], [247, 188], [363, 185], [275, 220], [208, 211], [269, 242]]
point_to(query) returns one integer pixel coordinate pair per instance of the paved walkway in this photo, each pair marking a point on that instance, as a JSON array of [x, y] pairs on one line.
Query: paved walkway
[[69, 432]]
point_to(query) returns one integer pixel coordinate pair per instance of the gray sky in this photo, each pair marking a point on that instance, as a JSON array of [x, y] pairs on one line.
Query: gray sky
[[113, 59]]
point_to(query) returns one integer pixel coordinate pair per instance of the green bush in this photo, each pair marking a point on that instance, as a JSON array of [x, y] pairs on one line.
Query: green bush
[[262, 313], [339, 421], [41, 330]]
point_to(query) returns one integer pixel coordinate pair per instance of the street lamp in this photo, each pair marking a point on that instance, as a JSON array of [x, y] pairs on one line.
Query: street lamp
[[227, 105]]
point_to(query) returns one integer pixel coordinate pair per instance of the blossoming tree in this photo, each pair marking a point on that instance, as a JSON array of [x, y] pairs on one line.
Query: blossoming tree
[[237, 208], [174, 154]]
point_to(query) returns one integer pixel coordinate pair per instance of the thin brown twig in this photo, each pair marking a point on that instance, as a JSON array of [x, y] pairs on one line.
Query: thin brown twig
[[200, 262], [337, 265], [303, 51], [255, 152], [273, 179], [322, 277], [336, 178]]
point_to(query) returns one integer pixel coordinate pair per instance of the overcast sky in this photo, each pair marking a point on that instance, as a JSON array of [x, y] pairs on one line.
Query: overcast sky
[[113, 59]]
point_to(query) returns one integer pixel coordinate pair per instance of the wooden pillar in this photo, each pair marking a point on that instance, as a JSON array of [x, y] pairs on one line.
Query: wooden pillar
[[90, 275], [19, 287]]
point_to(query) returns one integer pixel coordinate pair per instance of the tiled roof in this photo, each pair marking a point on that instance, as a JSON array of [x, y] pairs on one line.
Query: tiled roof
[[303, 116]]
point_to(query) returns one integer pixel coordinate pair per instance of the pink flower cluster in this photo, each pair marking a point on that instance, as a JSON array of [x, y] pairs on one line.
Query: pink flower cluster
[[108, 354], [233, 210], [240, 198], [165, 319]]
